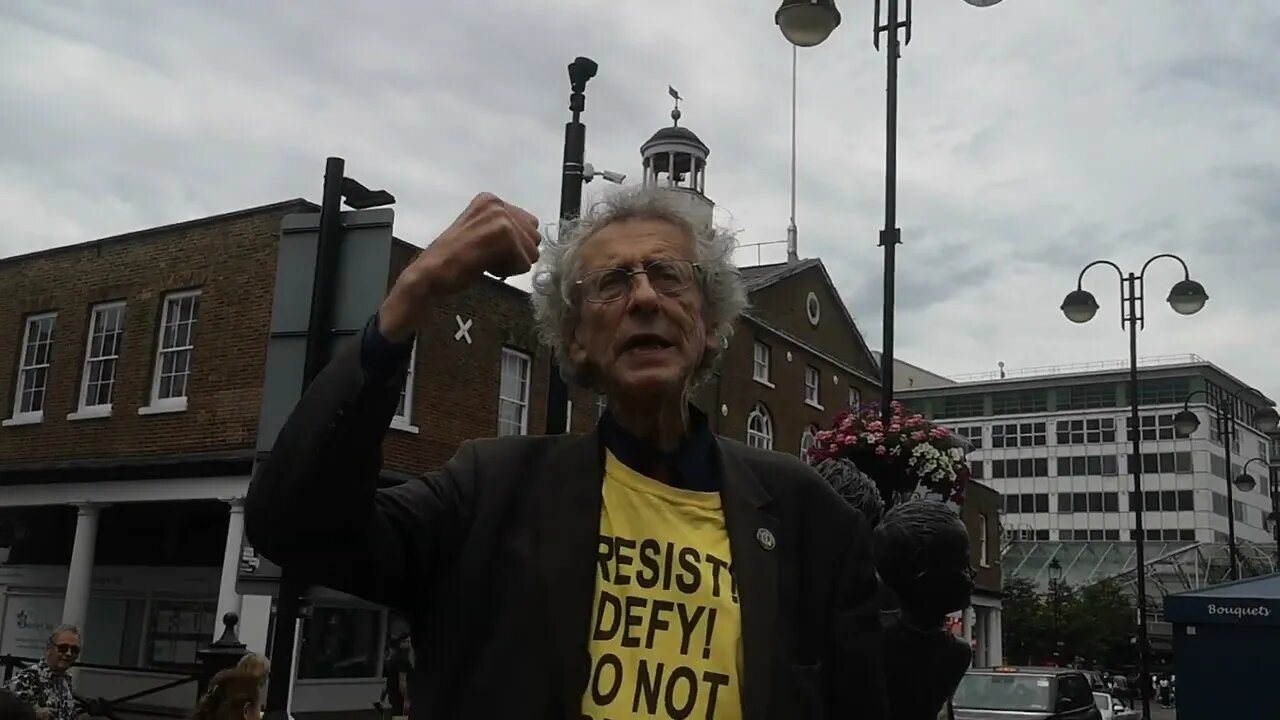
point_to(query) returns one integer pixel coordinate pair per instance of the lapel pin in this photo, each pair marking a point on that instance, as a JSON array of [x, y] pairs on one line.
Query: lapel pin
[[766, 539]]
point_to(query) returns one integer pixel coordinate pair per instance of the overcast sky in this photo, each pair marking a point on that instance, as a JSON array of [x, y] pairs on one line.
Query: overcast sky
[[1034, 136]]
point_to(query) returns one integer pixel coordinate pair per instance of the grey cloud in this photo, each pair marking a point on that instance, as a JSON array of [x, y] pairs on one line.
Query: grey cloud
[[1033, 138]]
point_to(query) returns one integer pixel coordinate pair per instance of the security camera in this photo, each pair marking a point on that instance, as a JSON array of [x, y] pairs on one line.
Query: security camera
[[589, 173]]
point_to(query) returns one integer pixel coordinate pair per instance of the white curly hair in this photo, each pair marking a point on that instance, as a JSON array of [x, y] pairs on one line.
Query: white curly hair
[[555, 301]]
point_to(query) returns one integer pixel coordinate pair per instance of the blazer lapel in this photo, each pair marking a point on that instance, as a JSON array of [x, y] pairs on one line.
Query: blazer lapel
[[568, 488], [753, 535]]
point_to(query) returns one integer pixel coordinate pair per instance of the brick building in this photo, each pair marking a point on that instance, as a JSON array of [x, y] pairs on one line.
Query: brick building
[[130, 413], [128, 424], [982, 623]]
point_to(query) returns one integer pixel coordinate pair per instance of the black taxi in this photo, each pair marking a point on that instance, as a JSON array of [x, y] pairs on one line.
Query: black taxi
[[1025, 693]]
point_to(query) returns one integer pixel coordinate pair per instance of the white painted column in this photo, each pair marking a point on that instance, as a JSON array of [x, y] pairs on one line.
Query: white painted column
[[75, 604], [995, 638], [228, 598]]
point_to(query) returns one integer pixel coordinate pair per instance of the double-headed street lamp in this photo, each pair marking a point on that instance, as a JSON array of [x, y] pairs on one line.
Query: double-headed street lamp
[[1186, 298], [1265, 418], [806, 23], [1245, 480]]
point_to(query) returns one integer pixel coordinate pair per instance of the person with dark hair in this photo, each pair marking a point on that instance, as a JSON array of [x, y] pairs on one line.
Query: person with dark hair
[[854, 486], [234, 694], [395, 675], [13, 707], [921, 550]]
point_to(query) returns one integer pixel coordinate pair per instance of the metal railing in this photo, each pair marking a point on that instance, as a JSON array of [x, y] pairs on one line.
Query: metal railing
[[1083, 367], [102, 707]]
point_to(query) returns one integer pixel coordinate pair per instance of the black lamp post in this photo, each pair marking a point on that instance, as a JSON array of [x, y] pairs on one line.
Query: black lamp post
[[805, 23], [1186, 298], [1264, 418], [571, 180], [575, 173], [1246, 483], [337, 189], [1055, 582]]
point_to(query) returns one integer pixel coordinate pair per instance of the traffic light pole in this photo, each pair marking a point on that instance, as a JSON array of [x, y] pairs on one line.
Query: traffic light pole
[[289, 602]]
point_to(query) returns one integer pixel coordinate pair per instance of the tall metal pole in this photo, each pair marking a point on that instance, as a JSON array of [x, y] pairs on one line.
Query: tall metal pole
[[1227, 431], [319, 324], [1130, 285], [575, 138], [890, 236], [793, 251], [1274, 476]]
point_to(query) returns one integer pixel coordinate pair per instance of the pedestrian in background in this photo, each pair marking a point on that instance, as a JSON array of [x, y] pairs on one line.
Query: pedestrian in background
[[46, 686], [234, 694], [395, 674]]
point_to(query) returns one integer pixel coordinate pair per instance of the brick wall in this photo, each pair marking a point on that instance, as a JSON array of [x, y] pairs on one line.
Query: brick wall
[[783, 306], [457, 383], [785, 400], [231, 259], [981, 502]]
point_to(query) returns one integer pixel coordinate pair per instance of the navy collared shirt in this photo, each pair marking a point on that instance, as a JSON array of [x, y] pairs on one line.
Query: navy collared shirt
[[692, 466]]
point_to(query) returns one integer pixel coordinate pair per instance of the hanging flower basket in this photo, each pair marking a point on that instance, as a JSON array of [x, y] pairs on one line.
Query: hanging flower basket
[[910, 457]]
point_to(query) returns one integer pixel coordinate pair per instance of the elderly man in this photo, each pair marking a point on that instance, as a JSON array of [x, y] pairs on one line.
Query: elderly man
[[46, 686], [645, 569]]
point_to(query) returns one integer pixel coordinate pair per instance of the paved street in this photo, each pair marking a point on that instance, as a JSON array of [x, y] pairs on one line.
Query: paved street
[[1160, 713]]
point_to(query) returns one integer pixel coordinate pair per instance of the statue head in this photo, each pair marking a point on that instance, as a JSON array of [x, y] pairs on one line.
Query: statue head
[[921, 550], [854, 486]]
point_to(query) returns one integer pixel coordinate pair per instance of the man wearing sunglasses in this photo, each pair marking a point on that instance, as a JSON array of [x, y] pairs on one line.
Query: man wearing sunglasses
[[46, 686], [646, 569]]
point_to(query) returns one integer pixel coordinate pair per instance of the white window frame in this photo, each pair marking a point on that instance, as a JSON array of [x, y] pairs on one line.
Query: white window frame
[[812, 390], [83, 409], [522, 402], [807, 439], [31, 417], [403, 419], [568, 416], [763, 437], [761, 363], [855, 398], [175, 404]]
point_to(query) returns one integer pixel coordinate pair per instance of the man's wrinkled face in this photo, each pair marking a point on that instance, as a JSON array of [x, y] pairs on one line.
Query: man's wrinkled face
[[641, 309], [63, 652]]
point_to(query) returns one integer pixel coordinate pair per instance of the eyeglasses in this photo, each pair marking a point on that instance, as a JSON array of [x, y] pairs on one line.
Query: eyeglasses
[[666, 277], [67, 649]]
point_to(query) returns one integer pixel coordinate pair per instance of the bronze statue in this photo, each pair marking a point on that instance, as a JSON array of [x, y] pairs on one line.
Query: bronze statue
[[921, 551]]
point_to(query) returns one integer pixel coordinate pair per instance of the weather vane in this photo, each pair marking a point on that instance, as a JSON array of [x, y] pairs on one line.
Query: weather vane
[[675, 113]]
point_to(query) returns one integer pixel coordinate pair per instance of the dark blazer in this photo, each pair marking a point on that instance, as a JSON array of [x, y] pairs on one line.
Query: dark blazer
[[494, 559]]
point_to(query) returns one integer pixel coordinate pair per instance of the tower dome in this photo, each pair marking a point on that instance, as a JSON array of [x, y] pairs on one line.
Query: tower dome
[[675, 159]]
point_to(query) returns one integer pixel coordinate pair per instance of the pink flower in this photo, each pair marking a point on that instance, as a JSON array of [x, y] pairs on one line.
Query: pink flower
[[939, 433], [895, 428], [919, 435], [881, 450], [876, 426]]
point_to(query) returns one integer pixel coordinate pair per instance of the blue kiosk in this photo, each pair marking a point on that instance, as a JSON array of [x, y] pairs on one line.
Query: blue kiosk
[[1226, 649]]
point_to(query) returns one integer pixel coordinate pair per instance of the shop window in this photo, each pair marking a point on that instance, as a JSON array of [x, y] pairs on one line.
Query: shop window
[[341, 642]]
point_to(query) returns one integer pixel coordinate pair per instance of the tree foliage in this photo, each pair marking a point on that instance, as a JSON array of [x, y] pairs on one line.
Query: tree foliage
[[1093, 625]]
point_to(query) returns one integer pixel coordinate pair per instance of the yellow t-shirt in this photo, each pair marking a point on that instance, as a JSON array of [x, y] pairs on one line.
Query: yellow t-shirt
[[666, 631]]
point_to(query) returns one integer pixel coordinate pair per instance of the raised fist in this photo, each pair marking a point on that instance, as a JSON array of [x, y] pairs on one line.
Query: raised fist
[[489, 236]]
